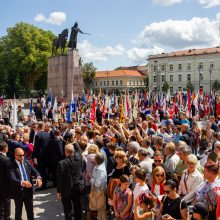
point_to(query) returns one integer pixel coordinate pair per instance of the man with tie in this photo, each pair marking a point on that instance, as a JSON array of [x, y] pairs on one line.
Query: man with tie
[[21, 173], [4, 183]]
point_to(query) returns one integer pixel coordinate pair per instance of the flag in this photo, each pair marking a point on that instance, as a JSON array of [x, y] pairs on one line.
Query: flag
[[55, 106], [31, 107], [189, 101], [122, 114], [50, 100], [83, 99], [14, 115], [73, 103], [93, 111], [69, 113]]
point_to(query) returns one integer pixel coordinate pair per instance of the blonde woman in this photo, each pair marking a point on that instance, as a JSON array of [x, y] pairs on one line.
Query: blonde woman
[[191, 179]]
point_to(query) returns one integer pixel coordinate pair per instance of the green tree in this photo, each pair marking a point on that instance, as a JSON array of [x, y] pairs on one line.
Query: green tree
[[190, 86], [216, 86], [165, 87], [88, 72], [24, 56]]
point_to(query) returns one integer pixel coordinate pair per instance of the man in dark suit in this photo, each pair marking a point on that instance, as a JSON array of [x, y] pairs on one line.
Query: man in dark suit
[[40, 153], [69, 171], [4, 183], [21, 173]]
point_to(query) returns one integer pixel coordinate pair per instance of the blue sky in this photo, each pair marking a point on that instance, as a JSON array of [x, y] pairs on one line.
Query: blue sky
[[123, 32]]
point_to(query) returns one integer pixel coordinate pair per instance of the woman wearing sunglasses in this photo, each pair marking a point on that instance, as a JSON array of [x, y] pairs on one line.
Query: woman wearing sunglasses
[[172, 205], [159, 178], [120, 169]]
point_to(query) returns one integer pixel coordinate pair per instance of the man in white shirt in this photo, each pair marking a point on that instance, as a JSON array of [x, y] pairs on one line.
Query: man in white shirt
[[172, 158]]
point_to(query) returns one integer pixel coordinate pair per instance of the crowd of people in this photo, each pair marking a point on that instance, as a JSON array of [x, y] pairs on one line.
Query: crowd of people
[[106, 166]]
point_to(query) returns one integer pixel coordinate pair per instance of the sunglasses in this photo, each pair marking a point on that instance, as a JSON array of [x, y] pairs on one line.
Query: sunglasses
[[157, 161], [190, 163], [20, 155], [159, 175], [167, 191], [120, 157]]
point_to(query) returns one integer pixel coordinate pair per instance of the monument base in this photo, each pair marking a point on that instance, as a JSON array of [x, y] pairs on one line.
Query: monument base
[[65, 75]]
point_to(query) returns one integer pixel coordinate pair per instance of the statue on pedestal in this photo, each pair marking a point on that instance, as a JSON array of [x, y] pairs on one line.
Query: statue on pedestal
[[60, 42], [73, 37]]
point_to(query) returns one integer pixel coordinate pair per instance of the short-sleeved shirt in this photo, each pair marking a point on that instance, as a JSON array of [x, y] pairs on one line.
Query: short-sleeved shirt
[[173, 207]]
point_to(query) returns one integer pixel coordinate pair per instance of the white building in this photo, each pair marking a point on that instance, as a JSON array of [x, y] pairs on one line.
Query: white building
[[177, 68]]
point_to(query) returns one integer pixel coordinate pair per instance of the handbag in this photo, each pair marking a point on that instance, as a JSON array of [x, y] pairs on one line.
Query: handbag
[[97, 199]]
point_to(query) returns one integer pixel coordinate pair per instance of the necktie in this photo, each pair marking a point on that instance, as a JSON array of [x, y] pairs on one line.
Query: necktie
[[23, 172]]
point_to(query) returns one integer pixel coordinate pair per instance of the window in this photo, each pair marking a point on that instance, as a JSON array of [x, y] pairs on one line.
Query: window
[[201, 76], [171, 89], [113, 83], [136, 82], [100, 83], [171, 78], [116, 82], [155, 79], [96, 83], [133, 82], [141, 82], [179, 66], [104, 83], [121, 82], [155, 68], [163, 78], [130, 82], [188, 77], [107, 83], [163, 67], [171, 67], [180, 88], [211, 65], [188, 67], [200, 66], [179, 77]]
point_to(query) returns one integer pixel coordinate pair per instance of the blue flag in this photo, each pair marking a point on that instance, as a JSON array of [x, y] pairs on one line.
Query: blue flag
[[69, 113], [31, 108]]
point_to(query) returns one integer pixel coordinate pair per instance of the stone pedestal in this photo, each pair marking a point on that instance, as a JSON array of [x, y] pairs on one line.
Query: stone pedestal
[[65, 75]]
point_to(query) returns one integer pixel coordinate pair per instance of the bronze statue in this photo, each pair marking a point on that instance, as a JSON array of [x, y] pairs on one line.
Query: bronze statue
[[60, 42], [73, 37]]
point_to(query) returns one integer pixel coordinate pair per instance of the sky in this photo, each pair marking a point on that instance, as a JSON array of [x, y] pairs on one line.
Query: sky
[[122, 32]]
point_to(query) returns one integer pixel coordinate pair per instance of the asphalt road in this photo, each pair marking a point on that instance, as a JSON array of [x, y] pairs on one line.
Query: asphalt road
[[46, 206]]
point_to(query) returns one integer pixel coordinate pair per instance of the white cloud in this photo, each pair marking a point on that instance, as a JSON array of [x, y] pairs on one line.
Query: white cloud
[[197, 32], [92, 53], [139, 55], [166, 2], [56, 18], [209, 3]]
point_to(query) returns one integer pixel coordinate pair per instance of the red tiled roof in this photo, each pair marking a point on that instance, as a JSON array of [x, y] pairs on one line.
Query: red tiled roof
[[189, 52], [100, 74]]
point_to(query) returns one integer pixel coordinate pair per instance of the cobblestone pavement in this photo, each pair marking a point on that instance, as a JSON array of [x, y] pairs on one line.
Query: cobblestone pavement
[[46, 206]]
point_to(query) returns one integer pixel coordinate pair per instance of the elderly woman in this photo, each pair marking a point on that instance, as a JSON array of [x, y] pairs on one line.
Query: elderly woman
[[191, 179], [99, 180]]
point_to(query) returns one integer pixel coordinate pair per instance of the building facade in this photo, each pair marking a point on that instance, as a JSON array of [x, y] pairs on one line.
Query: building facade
[[201, 67], [119, 80]]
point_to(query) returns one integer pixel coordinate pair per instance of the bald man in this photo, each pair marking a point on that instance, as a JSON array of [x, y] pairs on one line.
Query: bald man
[[21, 173], [69, 170]]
